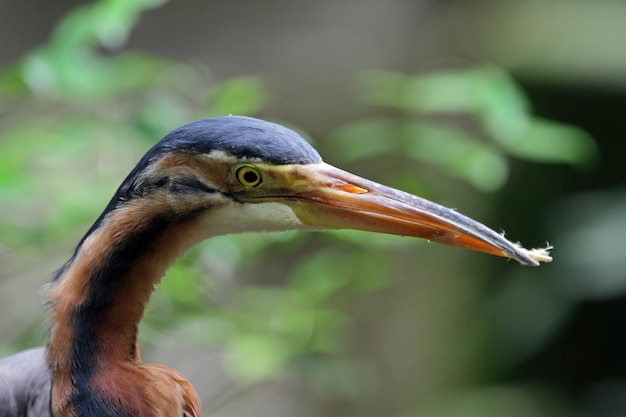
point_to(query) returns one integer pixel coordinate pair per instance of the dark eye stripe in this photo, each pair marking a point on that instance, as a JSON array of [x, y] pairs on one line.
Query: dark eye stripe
[[189, 185]]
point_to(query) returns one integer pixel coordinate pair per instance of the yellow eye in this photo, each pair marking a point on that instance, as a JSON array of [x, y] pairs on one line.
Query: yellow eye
[[248, 176]]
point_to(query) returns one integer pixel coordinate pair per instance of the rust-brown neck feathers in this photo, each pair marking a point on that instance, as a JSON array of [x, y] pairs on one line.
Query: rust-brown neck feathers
[[99, 297], [95, 307]]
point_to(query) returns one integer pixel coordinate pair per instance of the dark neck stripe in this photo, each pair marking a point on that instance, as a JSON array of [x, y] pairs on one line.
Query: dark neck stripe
[[105, 282]]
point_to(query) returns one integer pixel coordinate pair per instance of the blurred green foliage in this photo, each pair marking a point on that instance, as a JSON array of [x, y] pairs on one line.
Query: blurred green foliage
[[467, 123]]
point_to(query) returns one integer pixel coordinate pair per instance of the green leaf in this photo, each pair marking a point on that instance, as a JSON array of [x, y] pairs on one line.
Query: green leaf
[[500, 104], [365, 139], [440, 92], [182, 285], [257, 357], [383, 88], [547, 141], [457, 153], [240, 96], [488, 93], [11, 82]]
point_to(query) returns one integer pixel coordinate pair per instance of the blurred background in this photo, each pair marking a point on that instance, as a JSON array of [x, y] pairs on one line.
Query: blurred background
[[511, 112]]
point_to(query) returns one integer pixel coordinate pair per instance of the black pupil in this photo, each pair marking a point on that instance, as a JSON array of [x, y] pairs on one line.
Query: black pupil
[[250, 176]]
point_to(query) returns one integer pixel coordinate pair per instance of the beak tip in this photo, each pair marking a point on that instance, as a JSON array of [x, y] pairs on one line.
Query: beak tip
[[535, 256]]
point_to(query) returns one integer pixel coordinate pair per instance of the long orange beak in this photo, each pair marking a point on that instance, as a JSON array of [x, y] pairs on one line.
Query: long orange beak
[[327, 197]]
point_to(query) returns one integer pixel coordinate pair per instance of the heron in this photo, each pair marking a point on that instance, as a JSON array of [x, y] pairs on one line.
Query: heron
[[210, 177]]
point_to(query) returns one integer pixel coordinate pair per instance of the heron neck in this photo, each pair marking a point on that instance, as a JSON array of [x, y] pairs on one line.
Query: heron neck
[[99, 298]]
